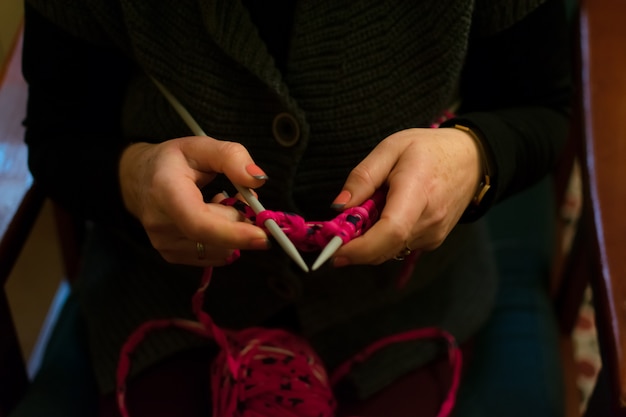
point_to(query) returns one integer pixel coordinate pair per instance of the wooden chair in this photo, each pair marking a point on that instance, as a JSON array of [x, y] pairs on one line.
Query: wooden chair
[[598, 142]]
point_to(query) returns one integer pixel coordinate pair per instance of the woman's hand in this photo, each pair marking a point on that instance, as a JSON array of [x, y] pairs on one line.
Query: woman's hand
[[160, 185], [432, 176]]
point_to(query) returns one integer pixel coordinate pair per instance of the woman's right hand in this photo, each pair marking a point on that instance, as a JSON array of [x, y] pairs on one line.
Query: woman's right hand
[[160, 185]]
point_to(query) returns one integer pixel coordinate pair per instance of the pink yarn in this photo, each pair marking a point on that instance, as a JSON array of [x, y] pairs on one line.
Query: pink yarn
[[258, 372], [262, 372], [310, 236]]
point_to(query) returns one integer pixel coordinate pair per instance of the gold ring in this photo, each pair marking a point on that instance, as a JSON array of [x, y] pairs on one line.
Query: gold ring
[[200, 250], [403, 254]]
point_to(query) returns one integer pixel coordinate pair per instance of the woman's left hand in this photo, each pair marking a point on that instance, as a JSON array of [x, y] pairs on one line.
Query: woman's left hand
[[431, 175]]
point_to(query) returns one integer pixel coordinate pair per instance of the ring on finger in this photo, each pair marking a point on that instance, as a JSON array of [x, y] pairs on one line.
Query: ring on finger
[[200, 250]]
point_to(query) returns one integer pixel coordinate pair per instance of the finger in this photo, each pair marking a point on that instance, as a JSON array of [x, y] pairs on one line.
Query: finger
[[230, 158], [369, 249], [186, 252], [388, 236], [215, 223], [396, 228], [219, 197], [369, 175]]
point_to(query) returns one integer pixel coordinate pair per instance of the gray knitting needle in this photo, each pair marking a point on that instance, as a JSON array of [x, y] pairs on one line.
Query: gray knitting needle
[[252, 201], [329, 250], [273, 228]]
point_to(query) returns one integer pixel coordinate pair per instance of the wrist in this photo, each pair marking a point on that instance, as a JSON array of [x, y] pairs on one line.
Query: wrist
[[484, 183], [128, 166]]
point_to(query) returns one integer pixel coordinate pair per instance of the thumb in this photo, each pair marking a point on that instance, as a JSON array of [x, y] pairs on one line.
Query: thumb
[[366, 178]]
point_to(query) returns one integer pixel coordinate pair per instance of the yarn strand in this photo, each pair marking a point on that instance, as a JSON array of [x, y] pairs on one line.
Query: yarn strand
[[262, 372]]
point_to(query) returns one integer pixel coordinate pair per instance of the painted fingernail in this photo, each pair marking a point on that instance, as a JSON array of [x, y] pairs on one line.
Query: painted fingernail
[[340, 261], [341, 200], [256, 172], [225, 194]]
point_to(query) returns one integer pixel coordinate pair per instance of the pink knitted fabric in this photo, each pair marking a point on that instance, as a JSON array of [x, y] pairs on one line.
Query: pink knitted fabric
[[310, 236]]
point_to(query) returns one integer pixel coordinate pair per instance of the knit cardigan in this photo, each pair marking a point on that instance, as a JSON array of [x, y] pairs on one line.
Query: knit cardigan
[[356, 73]]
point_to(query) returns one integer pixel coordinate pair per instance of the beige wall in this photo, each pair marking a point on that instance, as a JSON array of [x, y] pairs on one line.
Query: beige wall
[[11, 12]]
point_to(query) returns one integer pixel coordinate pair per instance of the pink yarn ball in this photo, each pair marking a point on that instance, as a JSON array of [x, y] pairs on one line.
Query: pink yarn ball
[[270, 373]]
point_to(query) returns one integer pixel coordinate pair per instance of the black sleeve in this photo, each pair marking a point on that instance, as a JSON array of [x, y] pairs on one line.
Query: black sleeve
[[515, 92], [73, 121]]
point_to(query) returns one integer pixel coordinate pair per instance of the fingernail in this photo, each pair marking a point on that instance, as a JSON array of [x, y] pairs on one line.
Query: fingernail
[[256, 172], [341, 200], [340, 261], [225, 194]]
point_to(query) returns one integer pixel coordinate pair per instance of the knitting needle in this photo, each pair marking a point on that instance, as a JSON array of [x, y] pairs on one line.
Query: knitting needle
[[252, 201], [329, 250], [273, 228]]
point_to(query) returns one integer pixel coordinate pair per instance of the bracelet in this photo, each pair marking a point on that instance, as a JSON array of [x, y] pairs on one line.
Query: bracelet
[[485, 183]]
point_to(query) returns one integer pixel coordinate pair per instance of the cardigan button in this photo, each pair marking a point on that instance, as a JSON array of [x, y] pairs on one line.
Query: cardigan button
[[285, 129]]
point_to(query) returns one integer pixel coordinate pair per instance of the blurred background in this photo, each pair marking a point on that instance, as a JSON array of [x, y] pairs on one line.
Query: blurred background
[[10, 20], [34, 282]]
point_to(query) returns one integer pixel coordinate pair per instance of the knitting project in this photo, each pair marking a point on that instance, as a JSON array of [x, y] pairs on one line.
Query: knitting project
[[263, 372]]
